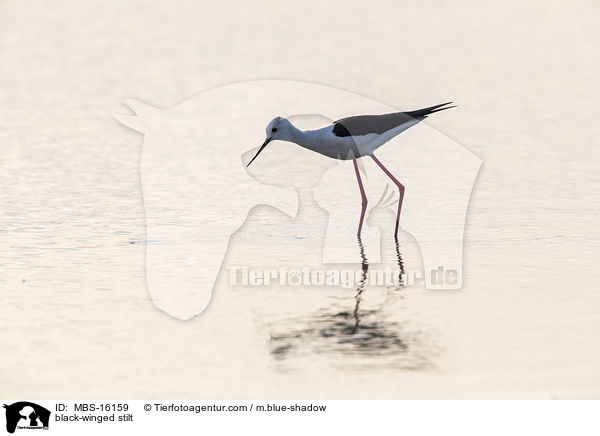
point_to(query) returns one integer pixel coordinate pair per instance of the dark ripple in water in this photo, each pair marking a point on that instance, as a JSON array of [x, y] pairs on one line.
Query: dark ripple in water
[[357, 333]]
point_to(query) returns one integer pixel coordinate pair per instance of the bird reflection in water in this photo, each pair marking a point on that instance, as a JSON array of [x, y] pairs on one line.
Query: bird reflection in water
[[361, 331]]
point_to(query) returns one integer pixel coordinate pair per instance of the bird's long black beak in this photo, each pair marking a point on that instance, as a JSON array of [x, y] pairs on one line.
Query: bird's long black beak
[[259, 150]]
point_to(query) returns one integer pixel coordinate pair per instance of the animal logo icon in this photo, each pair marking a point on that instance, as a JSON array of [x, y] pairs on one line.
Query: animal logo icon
[[26, 415]]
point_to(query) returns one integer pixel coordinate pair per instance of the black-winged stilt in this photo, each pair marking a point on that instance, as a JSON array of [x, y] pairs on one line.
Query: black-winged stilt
[[350, 139]]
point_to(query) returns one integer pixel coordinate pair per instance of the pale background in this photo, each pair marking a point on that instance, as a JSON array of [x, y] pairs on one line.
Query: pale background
[[77, 321]]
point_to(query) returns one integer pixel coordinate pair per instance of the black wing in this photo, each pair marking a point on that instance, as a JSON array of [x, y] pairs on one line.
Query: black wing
[[365, 124]]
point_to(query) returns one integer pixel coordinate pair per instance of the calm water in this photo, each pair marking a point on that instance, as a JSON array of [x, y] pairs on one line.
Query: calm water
[[73, 284]]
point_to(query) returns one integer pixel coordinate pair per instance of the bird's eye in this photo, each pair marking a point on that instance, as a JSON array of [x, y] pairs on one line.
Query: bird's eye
[[274, 129]]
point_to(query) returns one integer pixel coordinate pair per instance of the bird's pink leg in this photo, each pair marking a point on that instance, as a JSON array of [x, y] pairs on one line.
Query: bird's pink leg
[[362, 194], [400, 188]]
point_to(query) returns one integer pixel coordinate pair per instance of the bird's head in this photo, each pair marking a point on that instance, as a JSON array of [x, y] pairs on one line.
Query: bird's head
[[279, 128]]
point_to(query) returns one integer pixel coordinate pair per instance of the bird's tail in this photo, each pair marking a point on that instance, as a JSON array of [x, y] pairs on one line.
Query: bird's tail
[[422, 113]]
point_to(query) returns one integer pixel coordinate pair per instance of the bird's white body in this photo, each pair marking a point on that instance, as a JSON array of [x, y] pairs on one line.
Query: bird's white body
[[325, 142]]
